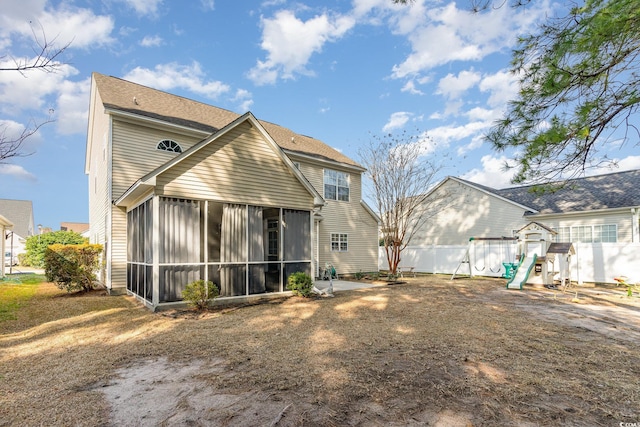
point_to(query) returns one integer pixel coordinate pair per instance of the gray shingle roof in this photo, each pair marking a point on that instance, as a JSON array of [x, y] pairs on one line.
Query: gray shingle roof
[[122, 95], [20, 213], [609, 191]]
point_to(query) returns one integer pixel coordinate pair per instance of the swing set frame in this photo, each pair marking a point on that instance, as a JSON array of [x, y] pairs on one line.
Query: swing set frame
[[467, 256]]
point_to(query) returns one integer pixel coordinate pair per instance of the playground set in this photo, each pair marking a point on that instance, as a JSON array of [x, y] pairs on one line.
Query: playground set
[[533, 251]]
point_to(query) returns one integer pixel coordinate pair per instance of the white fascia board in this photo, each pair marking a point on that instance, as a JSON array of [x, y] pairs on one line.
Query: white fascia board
[[156, 122], [5, 222], [323, 162], [137, 190], [368, 208]]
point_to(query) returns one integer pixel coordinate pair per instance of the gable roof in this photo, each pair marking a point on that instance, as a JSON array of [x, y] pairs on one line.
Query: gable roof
[[127, 97], [608, 191], [148, 181], [20, 213]]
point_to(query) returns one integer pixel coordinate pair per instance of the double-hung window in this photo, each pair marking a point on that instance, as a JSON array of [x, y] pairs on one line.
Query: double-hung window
[[336, 185], [339, 242]]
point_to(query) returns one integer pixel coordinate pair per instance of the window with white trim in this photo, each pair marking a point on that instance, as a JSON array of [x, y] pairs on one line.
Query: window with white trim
[[339, 242], [169, 145], [336, 185], [605, 233]]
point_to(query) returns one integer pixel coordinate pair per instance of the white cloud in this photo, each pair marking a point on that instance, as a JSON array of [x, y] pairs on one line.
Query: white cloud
[[30, 91], [73, 104], [244, 99], [151, 41], [144, 7], [502, 86], [629, 163], [410, 87], [55, 26], [172, 75], [453, 87], [446, 34], [492, 173], [290, 42], [445, 135], [397, 120], [17, 172], [208, 4]]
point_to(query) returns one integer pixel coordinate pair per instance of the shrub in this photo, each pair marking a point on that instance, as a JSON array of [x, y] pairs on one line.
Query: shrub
[[300, 283], [37, 245], [199, 293], [72, 267]]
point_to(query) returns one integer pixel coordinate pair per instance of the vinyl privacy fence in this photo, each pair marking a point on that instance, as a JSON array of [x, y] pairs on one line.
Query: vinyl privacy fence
[[592, 263]]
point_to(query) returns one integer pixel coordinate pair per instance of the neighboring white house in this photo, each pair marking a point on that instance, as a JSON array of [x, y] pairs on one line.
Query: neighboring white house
[[595, 209], [5, 226], [598, 214], [20, 213], [180, 191]]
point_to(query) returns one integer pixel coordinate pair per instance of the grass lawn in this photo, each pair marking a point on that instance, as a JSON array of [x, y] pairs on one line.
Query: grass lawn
[[428, 352], [15, 291]]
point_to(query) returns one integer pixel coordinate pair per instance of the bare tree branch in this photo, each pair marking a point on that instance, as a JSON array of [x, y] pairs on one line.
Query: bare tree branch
[[11, 146], [46, 59], [46, 55]]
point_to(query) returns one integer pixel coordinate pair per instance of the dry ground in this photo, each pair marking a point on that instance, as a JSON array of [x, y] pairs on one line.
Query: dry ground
[[429, 352]]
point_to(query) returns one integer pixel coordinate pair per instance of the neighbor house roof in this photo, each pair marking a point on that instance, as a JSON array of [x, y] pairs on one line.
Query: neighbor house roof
[[609, 191], [78, 227], [124, 96], [20, 213]]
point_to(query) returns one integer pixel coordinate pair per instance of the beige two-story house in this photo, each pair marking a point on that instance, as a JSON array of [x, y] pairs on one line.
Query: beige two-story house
[[180, 191]]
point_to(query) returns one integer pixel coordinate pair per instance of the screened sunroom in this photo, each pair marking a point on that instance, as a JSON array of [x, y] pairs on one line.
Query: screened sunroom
[[243, 249]]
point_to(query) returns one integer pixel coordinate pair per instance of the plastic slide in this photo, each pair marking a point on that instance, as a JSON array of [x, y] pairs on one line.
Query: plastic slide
[[522, 273]]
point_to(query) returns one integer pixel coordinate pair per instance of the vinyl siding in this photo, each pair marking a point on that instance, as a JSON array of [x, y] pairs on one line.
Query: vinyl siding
[[135, 153], [98, 178], [118, 247], [623, 221], [349, 218], [468, 213], [239, 167]]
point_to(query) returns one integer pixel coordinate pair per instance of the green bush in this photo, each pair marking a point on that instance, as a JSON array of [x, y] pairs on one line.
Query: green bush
[[37, 245], [22, 259], [72, 267], [199, 293], [300, 283]]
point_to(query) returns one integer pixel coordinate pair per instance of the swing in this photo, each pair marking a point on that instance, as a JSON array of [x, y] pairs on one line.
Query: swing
[[484, 258], [499, 264]]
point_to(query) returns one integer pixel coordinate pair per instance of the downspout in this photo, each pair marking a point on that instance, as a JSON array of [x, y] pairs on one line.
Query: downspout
[[635, 223]]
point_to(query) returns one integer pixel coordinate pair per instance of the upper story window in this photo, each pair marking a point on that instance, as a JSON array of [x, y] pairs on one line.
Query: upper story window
[[169, 145], [336, 185]]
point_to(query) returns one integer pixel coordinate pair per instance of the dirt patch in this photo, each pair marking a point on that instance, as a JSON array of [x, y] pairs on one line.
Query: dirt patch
[[429, 352]]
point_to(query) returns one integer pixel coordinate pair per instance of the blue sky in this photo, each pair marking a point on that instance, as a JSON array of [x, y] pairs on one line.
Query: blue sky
[[335, 70]]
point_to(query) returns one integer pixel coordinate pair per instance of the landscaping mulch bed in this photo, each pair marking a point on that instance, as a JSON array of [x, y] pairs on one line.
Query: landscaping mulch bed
[[428, 352]]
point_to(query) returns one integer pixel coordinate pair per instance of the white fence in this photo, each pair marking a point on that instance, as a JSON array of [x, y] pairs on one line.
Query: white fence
[[593, 262]]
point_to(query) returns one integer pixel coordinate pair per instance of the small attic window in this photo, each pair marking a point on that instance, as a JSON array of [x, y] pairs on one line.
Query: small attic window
[[169, 145]]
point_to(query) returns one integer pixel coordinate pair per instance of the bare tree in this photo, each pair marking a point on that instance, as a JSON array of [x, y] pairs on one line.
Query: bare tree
[[401, 174], [46, 59], [46, 56]]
